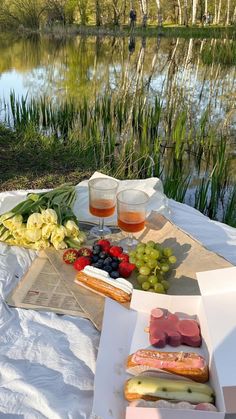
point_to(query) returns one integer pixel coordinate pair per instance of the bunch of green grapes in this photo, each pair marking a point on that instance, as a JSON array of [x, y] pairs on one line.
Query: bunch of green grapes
[[152, 262]]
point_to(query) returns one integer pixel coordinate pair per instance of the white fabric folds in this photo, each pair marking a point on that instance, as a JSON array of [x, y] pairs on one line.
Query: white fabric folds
[[47, 362]]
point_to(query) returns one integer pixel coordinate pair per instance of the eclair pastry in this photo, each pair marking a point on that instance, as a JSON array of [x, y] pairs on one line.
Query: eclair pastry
[[189, 364], [100, 282], [155, 388]]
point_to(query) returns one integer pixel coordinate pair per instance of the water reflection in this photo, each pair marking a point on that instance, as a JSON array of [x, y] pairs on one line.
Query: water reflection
[[189, 74], [78, 67]]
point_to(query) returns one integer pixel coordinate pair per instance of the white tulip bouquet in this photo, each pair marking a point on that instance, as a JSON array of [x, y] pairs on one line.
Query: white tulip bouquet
[[42, 220]]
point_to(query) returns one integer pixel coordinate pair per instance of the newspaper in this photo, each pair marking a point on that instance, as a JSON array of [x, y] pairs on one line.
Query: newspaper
[[50, 283], [42, 288]]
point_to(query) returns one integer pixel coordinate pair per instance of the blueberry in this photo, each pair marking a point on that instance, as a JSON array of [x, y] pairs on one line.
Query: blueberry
[[102, 255], [95, 265], [96, 249], [114, 274], [114, 265], [108, 261], [107, 268], [95, 258], [115, 259], [99, 264]]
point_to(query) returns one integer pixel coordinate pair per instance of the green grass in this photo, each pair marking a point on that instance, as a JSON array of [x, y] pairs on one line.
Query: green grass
[[169, 31], [48, 143], [29, 164]]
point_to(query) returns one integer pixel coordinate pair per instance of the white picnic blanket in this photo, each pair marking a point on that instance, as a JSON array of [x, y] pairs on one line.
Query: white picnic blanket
[[47, 362]]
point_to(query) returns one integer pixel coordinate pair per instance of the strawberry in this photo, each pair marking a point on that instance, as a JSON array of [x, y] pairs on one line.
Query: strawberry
[[81, 262], [126, 269], [115, 251], [85, 251], [123, 257], [105, 244], [70, 256]]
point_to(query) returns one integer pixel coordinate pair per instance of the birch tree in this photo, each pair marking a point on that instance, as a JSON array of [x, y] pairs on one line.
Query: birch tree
[[159, 17], [219, 11], [215, 14], [186, 12], [227, 14], [194, 11], [144, 11], [180, 12]]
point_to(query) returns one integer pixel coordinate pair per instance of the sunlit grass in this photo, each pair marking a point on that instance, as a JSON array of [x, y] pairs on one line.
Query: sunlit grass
[[125, 139]]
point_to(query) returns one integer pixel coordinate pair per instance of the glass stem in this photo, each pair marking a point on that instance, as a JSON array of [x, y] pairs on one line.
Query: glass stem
[[101, 225], [130, 239]]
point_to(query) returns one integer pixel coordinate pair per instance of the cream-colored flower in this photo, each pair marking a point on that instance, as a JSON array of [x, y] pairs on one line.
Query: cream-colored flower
[[24, 242], [41, 244], [59, 244], [80, 239], [72, 230], [12, 242], [13, 222], [49, 216], [47, 230], [33, 234], [58, 234], [35, 220], [6, 216], [19, 233]]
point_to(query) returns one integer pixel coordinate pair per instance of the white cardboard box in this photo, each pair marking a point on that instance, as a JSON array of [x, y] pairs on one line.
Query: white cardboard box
[[123, 333]]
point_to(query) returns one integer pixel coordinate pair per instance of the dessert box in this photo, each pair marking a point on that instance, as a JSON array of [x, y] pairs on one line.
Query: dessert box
[[124, 332]]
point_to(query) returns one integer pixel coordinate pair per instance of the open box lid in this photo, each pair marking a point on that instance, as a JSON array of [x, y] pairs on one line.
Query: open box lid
[[219, 281], [218, 289]]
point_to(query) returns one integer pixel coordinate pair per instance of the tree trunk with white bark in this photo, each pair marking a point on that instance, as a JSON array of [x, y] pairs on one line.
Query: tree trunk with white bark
[[186, 12], [159, 16], [180, 13], [144, 11], [219, 11], [215, 15], [227, 14], [194, 13]]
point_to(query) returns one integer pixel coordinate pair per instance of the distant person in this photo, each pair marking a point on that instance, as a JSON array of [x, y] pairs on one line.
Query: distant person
[[133, 18], [210, 18], [204, 19]]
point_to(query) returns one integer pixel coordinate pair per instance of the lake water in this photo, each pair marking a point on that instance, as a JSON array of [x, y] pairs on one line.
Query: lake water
[[199, 74], [89, 66]]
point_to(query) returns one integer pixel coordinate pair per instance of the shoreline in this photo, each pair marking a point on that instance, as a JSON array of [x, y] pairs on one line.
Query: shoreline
[[124, 31]]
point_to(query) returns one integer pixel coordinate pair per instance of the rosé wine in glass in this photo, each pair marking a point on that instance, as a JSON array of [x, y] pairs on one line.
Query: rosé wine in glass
[[131, 214], [102, 202]]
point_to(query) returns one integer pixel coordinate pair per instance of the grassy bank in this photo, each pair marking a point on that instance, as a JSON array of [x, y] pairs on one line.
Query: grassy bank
[[46, 144], [197, 32], [22, 168], [167, 31]]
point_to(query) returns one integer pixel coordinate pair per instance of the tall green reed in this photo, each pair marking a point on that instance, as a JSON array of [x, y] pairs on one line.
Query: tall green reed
[[132, 139]]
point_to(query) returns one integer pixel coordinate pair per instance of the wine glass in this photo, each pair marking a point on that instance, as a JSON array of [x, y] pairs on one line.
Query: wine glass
[[131, 213], [102, 202]]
